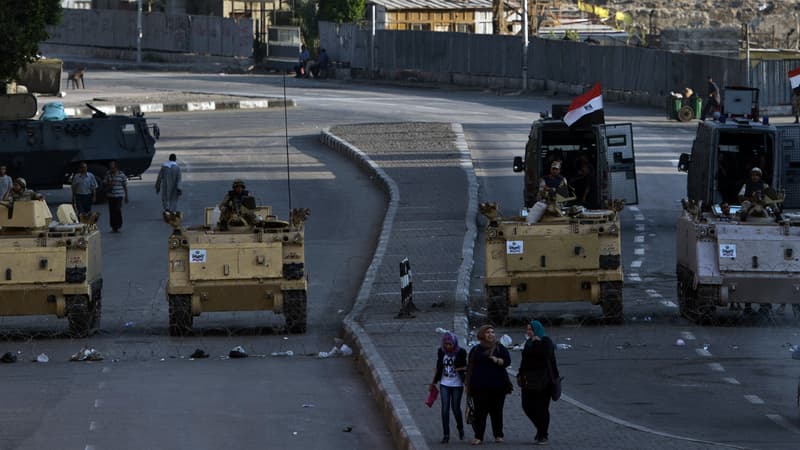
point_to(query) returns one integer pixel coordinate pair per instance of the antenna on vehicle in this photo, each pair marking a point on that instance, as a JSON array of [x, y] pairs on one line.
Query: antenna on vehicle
[[286, 135]]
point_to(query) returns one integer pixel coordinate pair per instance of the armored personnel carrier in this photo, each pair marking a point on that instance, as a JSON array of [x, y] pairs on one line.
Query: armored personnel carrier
[[733, 248], [565, 245], [48, 267], [47, 152], [240, 263]]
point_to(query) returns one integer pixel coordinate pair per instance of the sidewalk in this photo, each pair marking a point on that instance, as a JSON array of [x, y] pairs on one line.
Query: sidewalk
[[427, 173]]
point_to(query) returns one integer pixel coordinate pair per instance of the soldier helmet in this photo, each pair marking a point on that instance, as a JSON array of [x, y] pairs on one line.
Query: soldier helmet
[[21, 182], [756, 170], [238, 182]]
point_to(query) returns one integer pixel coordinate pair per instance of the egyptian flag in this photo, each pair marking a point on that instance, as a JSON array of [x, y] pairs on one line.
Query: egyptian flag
[[794, 77], [588, 104]]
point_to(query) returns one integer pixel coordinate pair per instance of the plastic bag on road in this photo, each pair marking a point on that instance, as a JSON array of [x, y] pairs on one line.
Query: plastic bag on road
[[87, 354], [238, 352], [506, 340]]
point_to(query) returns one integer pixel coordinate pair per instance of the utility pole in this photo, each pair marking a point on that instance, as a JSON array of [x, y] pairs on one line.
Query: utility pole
[[524, 45], [372, 42], [747, 51]]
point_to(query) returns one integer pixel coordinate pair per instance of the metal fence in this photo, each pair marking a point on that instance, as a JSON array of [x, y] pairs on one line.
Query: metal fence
[[629, 69], [178, 33]]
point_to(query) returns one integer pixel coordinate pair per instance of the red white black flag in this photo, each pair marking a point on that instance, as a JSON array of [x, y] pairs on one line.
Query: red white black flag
[[588, 103], [794, 77]]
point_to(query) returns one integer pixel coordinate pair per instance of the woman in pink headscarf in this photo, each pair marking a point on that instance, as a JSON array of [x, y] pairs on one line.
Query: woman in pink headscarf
[[451, 366]]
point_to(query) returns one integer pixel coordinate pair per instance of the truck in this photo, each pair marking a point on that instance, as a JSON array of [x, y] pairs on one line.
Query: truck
[[563, 247], [50, 267], [237, 264], [48, 152], [733, 249]]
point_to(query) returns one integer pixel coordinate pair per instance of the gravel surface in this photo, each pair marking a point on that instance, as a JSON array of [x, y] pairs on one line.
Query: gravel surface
[[414, 139]]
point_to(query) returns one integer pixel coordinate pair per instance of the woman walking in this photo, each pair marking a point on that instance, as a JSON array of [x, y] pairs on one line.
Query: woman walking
[[537, 373], [451, 368], [488, 383]]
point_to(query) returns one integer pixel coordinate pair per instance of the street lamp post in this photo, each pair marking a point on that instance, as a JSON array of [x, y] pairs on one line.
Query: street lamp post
[[139, 32], [524, 45]]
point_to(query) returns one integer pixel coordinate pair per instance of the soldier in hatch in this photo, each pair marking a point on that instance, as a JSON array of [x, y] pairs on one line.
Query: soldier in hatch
[[754, 190], [231, 206], [19, 191], [553, 183]]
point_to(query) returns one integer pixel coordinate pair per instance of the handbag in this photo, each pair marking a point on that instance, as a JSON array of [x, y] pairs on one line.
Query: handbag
[[433, 394], [469, 412]]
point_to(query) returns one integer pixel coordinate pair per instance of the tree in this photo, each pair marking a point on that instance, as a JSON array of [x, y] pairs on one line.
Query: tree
[[341, 11], [24, 24]]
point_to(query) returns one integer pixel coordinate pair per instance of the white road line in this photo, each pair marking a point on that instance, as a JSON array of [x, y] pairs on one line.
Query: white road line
[[653, 293], [777, 418], [433, 280], [687, 335], [637, 263], [638, 239], [754, 399], [639, 227], [638, 217], [634, 208], [92, 425], [638, 251], [397, 292], [716, 367], [703, 352], [634, 277], [731, 380], [668, 304]]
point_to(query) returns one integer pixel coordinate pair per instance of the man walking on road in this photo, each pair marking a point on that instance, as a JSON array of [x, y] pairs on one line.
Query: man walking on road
[[84, 190], [5, 183], [169, 184], [712, 101], [116, 184]]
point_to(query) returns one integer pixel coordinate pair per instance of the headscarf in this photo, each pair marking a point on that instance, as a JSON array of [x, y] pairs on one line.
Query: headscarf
[[452, 338], [538, 328]]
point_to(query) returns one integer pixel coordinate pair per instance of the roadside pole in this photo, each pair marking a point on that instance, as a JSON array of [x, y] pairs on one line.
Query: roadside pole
[[524, 45], [139, 32]]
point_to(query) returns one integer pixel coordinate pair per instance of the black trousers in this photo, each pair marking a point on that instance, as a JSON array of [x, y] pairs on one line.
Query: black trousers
[[488, 402], [709, 107], [115, 212], [536, 405]]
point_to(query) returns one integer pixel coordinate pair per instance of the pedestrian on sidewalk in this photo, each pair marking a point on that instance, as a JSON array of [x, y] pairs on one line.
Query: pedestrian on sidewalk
[[537, 372], [451, 368], [713, 99], [169, 184], [84, 189], [487, 383], [5, 183], [116, 185]]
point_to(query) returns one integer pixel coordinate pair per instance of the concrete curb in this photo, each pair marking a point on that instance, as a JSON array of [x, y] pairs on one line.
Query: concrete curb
[[126, 109], [405, 432]]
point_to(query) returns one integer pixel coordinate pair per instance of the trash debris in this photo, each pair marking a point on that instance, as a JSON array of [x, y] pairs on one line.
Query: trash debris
[[308, 405], [441, 330], [734, 347], [347, 429], [340, 311], [8, 357], [563, 346], [706, 346], [199, 354], [680, 343], [346, 350], [294, 433], [624, 346], [87, 354], [648, 319], [42, 358], [286, 353], [339, 349], [128, 324], [238, 352], [506, 340], [790, 346]]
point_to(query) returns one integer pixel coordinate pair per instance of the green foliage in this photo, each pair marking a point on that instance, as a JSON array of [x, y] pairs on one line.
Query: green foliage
[[306, 11], [24, 24], [571, 35], [341, 11]]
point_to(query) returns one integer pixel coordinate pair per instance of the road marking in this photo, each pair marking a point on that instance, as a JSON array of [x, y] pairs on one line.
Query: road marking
[[716, 367], [98, 403], [687, 335], [668, 304], [92, 425], [634, 277], [634, 208], [731, 380], [201, 106], [783, 422], [638, 239], [703, 352], [89, 447], [397, 292], [106, 369], [638, 217], [653, 293], [638, 251], [434, 280], [754, 399], [640, 227], [637, 263]]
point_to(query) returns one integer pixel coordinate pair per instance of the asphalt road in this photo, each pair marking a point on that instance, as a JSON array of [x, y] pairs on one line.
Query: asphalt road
[[732, 383]]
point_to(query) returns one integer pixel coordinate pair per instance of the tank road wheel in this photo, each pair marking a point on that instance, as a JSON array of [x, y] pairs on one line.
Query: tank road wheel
[[180, 315], [685, 114], [611, 301], [497, 305], [97, 305], [295, 311], [705, 304], [78, 315]]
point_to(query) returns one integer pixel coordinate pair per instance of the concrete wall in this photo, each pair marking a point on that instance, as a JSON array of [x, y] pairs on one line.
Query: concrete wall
[[178, 33]]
